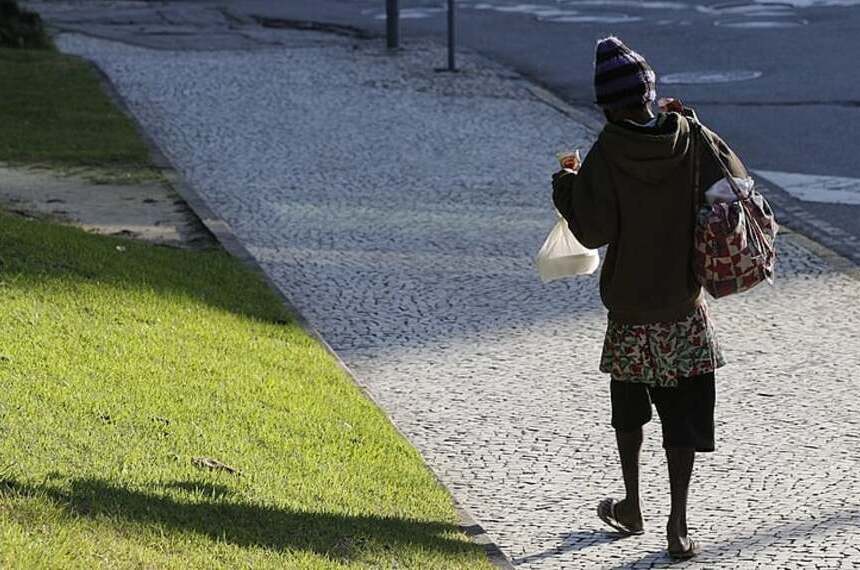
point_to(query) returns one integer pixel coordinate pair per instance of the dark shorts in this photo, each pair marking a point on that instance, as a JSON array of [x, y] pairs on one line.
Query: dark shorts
[[686, 412]]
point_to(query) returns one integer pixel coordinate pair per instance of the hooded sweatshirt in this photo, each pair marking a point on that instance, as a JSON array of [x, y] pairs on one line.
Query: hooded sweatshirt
[[634, 193]]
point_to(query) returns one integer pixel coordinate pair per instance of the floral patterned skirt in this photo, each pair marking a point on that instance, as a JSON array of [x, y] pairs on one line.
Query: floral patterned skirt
[[661, 353]]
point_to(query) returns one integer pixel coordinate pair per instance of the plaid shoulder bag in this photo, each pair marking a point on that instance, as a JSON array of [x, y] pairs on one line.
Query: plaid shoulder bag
[[734, 242]]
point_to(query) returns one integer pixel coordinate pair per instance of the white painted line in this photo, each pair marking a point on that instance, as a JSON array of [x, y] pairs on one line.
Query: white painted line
[[595, 19], [413, 13], [816, 3], [630, 4], [813, 188], [760, 24], [705, 77]]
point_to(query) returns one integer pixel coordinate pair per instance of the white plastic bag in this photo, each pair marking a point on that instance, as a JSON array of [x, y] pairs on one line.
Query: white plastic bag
[[721, 190], [563, 256]]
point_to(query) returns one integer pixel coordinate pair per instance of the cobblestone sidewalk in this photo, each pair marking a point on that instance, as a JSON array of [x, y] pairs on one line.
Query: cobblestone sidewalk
[[400, 210]]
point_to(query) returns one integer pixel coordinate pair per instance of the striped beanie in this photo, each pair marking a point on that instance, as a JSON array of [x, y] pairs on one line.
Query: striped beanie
[[622, 77]]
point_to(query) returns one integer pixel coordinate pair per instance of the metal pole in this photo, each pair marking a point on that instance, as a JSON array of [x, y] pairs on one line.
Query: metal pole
[[392, 23], [452, 66]]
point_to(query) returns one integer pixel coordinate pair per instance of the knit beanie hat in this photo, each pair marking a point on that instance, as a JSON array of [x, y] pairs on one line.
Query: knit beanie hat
[[622, 77]]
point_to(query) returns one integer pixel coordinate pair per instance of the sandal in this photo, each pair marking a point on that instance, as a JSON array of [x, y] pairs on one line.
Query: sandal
[[606, 512], [685, 554]]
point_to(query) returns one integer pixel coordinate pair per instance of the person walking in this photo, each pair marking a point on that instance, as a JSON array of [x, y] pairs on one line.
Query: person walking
[[634, 193]]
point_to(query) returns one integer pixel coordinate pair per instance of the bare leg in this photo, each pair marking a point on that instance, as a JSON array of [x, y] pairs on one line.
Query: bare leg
[[680, 460], [629, 510]]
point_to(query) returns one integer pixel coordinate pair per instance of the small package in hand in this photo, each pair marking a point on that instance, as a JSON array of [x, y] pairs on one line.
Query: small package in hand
[[569, 160], [563, 256]]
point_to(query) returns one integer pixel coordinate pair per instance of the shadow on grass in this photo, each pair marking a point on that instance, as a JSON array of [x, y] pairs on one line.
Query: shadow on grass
[[247, 525], [42, 252], [204, 487]]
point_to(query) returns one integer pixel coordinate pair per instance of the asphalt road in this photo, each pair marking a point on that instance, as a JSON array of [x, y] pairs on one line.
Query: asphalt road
[[794, 108]]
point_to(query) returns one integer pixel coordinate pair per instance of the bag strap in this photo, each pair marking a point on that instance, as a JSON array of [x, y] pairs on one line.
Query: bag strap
[[696, 174], [699, 133]]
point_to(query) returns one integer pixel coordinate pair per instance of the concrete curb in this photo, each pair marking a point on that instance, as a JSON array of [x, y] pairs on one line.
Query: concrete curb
[[836, 261], [591, 122], [825, 237], [225, 236], [223, 233]]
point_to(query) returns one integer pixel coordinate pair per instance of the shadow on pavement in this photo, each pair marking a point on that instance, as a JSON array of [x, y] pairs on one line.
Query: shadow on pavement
[[751, 543], [573, 542]]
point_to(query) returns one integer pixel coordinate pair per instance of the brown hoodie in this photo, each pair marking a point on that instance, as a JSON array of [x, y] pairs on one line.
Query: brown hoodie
[[634, 192]]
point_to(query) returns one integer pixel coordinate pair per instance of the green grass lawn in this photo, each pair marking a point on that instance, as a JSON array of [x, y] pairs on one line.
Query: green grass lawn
[[55, 114], [121, 362]]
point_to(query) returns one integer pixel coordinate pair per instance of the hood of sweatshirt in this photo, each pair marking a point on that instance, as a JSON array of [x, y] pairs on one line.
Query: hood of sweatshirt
[[647, 154]]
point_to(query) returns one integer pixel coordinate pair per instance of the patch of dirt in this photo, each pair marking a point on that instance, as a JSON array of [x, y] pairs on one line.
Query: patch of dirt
[[149, 211]]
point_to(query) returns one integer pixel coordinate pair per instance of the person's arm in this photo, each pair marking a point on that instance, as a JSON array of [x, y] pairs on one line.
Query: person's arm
[[562, 190], [711, 170], [587, 202]]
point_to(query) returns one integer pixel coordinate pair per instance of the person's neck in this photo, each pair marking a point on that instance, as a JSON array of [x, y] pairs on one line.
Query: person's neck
[[641, 117]]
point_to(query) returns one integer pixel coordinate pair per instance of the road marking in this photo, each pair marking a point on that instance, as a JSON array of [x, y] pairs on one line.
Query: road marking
[[705, 77], [816, 3], [594, 19], [761, 24], [413, 13], [813, 188], [630, 4]]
